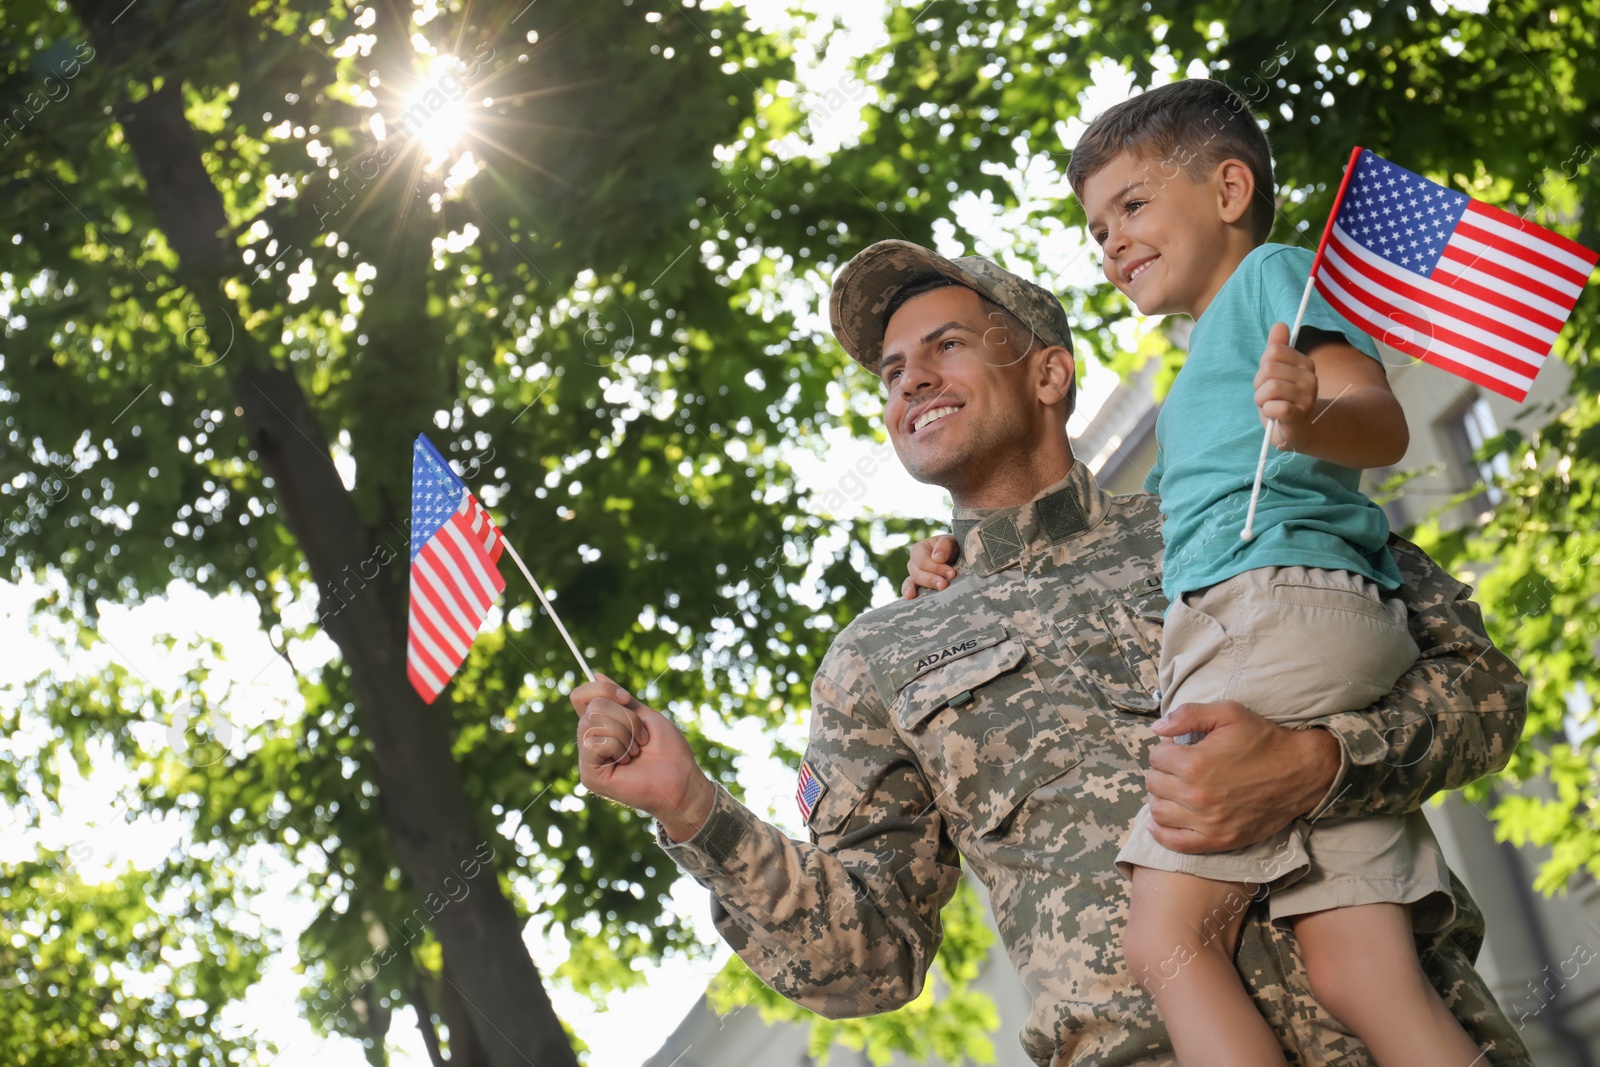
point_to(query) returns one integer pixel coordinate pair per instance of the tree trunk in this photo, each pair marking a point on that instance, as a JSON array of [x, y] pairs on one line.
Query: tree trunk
[[423, 803], [465, 1051]]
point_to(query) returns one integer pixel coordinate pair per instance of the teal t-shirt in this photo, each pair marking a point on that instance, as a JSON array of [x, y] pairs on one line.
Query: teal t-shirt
[[1208, 436]]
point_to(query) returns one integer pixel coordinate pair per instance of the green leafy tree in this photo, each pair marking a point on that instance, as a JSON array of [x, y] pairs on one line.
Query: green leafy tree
[[233, 298], [249, 260]]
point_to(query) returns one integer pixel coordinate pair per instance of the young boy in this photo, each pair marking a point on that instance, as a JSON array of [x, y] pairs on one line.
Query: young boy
[[1177, 184]]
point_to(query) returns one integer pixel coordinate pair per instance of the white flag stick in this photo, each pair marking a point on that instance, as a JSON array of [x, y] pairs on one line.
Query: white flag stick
[[1272, 424], [523, 567]]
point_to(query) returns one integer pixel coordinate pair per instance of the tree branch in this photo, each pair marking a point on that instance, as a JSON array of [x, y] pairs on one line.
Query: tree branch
[[419, 1004]]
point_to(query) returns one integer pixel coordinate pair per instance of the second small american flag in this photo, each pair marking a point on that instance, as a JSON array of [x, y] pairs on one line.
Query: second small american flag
[[455, 551], [1445, 278]]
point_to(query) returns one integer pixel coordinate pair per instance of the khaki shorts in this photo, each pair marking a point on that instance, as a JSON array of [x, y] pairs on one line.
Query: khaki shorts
[[1295, 644]]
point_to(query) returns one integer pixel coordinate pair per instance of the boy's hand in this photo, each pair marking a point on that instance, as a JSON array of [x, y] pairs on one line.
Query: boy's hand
[[928, 565], [1286, 389]]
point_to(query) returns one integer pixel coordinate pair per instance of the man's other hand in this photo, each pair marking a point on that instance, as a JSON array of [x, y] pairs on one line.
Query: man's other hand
[[1244, 781], [634, 755]]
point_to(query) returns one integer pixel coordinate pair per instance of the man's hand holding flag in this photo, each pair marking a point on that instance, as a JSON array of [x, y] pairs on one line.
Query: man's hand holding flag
[[455, 576]]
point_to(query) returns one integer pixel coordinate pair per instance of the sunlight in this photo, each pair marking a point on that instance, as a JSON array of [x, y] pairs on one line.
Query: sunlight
[[435, 112], [444, 131]]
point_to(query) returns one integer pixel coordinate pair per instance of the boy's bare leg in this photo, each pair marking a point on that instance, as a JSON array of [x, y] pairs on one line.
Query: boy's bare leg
[[1365, 972], [1182, 933]]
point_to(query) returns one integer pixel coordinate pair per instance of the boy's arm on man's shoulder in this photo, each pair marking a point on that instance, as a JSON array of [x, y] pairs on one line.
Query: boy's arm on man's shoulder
[[1455, 716]]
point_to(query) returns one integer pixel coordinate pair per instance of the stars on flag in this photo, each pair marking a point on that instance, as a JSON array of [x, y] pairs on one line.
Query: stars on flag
[[1399, 215], [1446, 279]]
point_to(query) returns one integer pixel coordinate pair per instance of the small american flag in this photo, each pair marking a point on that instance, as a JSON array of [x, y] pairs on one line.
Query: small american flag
[[455, 548], [1445, 278], [809, 791]]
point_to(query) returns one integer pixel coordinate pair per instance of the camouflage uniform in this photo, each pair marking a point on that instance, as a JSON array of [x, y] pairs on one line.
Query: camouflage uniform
[[1007, 720]]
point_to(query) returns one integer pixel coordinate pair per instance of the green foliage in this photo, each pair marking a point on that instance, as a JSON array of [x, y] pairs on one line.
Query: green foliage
[[1533, 556], [947, 1021], [1495, 103], [134, 969], [597, 327], [591, 327]]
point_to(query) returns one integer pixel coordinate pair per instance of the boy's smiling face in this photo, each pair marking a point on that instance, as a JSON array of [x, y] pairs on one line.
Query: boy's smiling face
[[1167, 240]]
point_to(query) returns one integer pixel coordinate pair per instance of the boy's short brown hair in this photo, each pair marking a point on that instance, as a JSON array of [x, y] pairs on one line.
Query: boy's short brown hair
[[1193, 125]]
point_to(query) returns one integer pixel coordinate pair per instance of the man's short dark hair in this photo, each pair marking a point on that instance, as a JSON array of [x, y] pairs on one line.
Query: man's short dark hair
[[1015, 327], [1189, 125]]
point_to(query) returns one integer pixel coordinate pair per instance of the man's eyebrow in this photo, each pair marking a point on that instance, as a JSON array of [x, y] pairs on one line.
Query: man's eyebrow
[[933, 336], [898, 357]]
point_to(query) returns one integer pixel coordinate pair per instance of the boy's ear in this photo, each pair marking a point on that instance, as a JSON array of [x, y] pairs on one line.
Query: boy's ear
[[1236, 185]]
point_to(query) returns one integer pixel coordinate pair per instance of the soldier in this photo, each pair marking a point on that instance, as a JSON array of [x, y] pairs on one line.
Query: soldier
[[1008, 719]]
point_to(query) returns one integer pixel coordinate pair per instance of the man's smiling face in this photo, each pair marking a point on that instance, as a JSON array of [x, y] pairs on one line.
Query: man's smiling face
[[956, 398]]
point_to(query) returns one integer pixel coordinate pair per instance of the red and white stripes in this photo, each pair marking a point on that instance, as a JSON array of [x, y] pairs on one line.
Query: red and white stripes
[[454, 580], [1491, 309]]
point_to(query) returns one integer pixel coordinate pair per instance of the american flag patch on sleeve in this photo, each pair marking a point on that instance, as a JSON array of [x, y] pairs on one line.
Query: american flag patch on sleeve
[[808, 792]]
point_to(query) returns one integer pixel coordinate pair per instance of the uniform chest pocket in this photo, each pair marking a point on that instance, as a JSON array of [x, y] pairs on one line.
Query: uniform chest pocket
[[985, 731], [1127, 671]]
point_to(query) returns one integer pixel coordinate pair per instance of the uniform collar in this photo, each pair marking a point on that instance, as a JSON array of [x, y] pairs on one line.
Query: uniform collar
[[994, 538]]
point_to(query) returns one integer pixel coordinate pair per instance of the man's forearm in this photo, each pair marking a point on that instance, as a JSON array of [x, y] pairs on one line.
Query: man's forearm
[[1455, 716], [1317, 765], [841, 941], [680, 823]]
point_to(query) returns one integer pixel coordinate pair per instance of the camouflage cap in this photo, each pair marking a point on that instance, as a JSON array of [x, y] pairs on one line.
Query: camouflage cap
[[867, 284]]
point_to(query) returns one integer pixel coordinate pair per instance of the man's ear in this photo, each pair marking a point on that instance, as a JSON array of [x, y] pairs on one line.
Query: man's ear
[[1056, 371], [1236, 184]]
